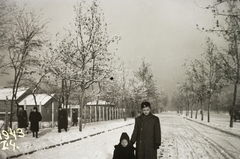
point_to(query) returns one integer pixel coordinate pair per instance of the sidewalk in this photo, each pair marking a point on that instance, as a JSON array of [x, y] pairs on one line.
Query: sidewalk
[[219, 122], [49, 138]]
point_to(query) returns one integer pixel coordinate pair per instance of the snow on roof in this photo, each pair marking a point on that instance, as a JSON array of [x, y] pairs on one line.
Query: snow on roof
[[100, 102], [43, 98], [7, 92]]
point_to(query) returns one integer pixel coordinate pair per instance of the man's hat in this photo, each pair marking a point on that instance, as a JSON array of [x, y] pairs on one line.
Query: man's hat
[[145, 104]]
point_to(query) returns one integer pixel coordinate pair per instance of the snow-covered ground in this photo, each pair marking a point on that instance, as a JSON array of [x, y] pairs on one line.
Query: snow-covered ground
[[189, 140], [181, 139], [52, 138], [220, 122]]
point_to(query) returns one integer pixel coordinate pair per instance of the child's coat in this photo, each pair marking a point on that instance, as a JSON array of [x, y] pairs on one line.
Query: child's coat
[[121, 152]]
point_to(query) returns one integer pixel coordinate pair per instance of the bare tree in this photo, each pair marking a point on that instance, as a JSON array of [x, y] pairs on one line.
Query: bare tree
[[213, 72], [228, 27], [24, 40], [187, 88], [178, 101], [153, 93], [195, 74], [6, 16], [205, 76], [145, 75], [83, 54]]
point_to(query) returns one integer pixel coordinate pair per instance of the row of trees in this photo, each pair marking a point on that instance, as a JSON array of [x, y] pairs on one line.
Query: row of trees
[[209, 80], [78, 67]]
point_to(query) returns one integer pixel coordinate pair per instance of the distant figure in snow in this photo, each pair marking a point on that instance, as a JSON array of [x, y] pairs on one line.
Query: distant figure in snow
[[124, 150], [62, 119], [146, 133], [74, 118], [35, 117], [22, 118]]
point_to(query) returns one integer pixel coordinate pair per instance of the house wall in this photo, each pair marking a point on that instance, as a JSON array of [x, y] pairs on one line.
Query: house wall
[[46, 110], [3, 108]]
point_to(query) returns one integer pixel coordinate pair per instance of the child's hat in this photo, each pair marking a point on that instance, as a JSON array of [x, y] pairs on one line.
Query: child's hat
[[124, 136]]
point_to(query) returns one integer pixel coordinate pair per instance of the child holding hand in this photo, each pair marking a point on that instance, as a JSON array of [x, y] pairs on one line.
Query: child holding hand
[[124, 150]]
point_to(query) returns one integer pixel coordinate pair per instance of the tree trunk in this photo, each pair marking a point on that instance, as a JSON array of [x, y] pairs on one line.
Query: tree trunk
[[187, 111], [80, 109], [196, 114], [201, 110], [62, 92], [6, 116], [191, 110], [209, 105], [234, 103], [11, 114]]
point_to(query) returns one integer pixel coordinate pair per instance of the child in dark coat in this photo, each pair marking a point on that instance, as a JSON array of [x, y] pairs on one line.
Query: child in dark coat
[[124, 150]]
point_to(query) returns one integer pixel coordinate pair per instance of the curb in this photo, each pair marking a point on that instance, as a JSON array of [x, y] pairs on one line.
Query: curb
[[67, 142], [216, 128]]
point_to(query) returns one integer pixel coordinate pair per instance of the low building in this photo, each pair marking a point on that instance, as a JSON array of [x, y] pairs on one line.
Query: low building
[[47, 105], [6, 98]]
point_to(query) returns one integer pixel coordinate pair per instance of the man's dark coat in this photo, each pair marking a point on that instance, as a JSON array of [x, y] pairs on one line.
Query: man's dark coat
[[35, 118], [146, 134], [62, 119], [22, 119]]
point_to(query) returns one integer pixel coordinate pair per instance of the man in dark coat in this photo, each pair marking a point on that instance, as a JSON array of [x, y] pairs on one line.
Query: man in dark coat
[[35, 117], [124, 150], [62, 119], [146, 133], [74, 118], [22, 118]]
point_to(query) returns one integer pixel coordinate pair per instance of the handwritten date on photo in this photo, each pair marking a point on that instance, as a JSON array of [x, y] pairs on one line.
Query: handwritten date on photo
[[7, 142]]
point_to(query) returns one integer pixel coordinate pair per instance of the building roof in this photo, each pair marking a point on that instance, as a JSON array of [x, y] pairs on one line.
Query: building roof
[[40, 98], [7, 92], [100, 102]]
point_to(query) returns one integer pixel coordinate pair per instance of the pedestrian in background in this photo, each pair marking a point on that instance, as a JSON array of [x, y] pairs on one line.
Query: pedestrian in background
[[62, 119], [22, 118], [146, 133], [124, 150], [35, 117], [74, 118]]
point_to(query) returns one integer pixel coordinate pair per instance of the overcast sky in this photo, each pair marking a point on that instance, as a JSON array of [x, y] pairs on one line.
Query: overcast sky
[[161, 31]]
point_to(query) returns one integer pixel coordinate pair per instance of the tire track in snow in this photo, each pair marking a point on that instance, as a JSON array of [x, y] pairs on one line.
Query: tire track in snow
[[203, 147], [221, 151], [188, 142]]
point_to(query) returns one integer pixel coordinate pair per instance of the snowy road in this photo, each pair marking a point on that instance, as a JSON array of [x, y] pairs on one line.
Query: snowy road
[[180, 139], [186, 139]]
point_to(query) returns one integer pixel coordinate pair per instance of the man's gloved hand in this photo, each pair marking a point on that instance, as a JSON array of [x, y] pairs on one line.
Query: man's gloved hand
[[156, 146]]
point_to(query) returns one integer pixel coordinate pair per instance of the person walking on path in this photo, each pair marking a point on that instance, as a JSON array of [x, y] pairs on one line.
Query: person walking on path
[[62, 119], [124, 150], [22, 118], [35, 117], [146, 133], [74, 118]]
